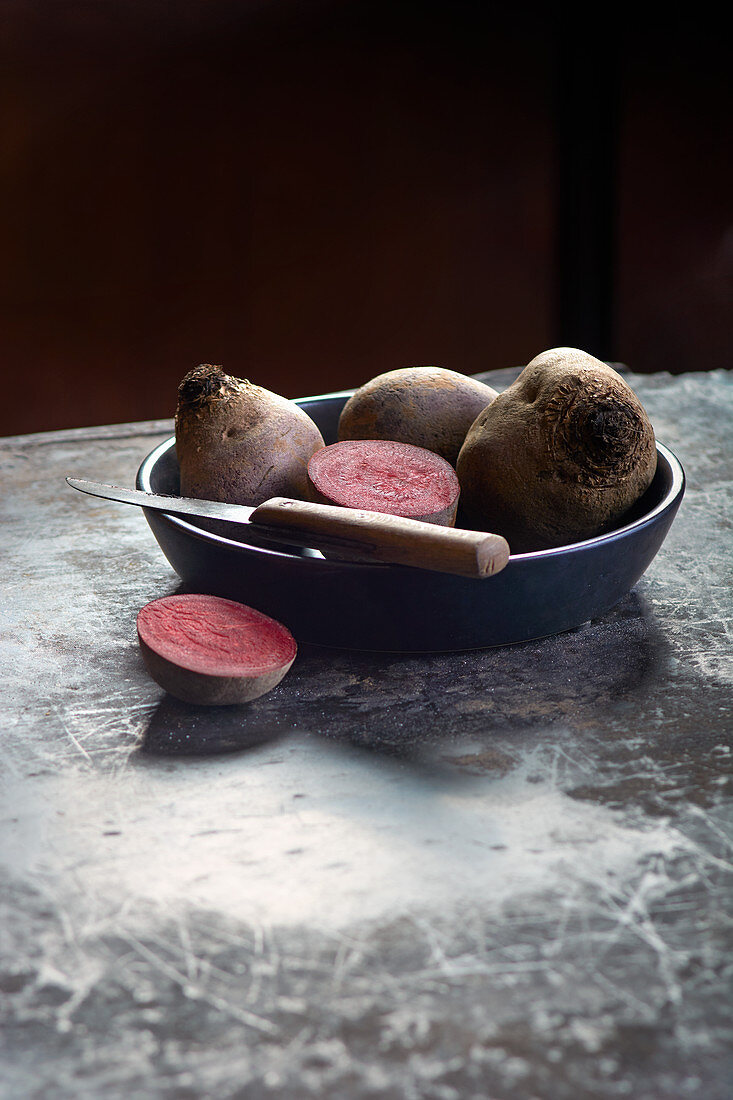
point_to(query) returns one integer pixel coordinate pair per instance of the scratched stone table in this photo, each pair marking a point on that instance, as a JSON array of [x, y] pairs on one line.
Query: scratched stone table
[[501, 874]]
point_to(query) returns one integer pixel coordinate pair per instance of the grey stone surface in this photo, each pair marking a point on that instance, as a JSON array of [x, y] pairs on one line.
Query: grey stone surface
[[502, 874]]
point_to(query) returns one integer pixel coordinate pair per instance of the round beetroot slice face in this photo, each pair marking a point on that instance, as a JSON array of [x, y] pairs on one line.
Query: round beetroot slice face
[[386, 476], [205, 649]]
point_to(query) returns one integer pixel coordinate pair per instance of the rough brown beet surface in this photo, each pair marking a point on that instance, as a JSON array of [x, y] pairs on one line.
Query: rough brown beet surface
[[430, 407], [238, 442], [558, 457], [208, 650], [386, 476]]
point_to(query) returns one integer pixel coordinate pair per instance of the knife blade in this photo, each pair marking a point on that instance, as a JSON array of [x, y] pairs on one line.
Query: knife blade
[[350, 533]]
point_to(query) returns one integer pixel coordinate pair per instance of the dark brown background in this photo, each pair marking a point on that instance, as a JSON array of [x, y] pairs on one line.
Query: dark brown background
[[313, 192]]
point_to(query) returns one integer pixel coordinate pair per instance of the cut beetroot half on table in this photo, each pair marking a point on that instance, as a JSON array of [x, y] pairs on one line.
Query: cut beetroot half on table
[[212, 651], [386, 476]]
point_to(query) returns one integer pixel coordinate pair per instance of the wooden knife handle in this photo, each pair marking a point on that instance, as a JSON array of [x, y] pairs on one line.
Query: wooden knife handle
[[355, 534]]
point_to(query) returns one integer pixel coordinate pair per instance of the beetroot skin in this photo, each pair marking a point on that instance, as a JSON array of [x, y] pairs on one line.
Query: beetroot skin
[[204, 649], [386, 476]]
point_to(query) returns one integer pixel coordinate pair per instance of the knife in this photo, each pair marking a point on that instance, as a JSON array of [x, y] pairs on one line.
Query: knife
[[348, 533]]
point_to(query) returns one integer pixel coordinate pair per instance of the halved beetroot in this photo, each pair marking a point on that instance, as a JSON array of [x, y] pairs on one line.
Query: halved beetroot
[[386, 476], [204, 649]]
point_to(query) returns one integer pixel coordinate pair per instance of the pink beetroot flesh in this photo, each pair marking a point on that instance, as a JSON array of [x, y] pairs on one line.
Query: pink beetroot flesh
[[384, 476], [214, 636]]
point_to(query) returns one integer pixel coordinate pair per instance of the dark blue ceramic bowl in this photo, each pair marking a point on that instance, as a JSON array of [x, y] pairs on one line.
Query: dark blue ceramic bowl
[[393, 607]]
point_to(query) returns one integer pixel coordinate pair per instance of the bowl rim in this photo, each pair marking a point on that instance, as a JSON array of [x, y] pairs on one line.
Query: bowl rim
[[670, 498]]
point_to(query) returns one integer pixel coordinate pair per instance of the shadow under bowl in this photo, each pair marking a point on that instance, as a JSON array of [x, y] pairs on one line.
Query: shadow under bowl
[[400, 609]]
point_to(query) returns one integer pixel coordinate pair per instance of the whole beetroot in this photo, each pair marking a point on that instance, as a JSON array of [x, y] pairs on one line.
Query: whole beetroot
[[559, 456], [430, 407], [238, 442]]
